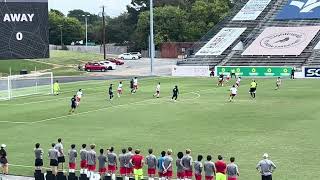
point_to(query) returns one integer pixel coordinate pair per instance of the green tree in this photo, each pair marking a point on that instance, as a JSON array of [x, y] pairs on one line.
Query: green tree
[[78, 14], [72, 29], [170, 25]]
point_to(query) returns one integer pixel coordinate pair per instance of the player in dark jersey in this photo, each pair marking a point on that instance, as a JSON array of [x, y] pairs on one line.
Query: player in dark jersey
[[175, 92], [220, 80], [73, 104], [132, 86], [110, 92]]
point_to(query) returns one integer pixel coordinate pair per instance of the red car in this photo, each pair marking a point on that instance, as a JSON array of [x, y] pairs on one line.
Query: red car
[[116, 61], [94, 67]]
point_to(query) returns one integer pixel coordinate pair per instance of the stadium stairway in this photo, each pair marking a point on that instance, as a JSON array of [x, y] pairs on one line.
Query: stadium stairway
[[314, 59], [254, 28]]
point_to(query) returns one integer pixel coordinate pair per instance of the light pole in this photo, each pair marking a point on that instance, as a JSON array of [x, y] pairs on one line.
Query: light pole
[[151, 37], [104, 32], [86, 19], [61, 40]]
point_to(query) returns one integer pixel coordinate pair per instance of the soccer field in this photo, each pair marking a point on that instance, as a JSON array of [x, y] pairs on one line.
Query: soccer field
[[284, 123]]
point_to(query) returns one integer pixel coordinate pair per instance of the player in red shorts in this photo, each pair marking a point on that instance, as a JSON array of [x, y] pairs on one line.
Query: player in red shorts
[[167, 165], [79, 96], [151, 162], [232, 170], [198, 168], [159, 164], [83, 157], [209, 168], [129, 166], [112, 163], [135, 84], [72, 158], [180, 171], [91, 160], [122, 162], [102, 163], [186, 163], [120, 89]]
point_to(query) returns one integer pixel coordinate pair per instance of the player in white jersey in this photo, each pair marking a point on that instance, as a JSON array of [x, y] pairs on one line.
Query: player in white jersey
[[238, 81], [278, 83], [135, 85], [233, 91], [79, 96], [228, 78], [120, 89], [157, 94]]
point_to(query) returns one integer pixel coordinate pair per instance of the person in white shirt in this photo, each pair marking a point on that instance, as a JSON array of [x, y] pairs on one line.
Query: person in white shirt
[[238, 81], [233, 91], [135, 85], [157, 94], [120, 89], [79, 96]]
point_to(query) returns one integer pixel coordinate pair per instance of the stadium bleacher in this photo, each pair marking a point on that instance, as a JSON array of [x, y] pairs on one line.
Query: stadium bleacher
[[267, 18]]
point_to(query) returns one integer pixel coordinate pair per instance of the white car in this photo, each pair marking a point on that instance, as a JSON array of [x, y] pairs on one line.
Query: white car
[[136, 53], [109, 65], [128, 56]]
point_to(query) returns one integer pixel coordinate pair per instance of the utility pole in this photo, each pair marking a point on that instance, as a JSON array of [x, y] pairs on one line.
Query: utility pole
[[86, 19], [151, 37], [104, 33]]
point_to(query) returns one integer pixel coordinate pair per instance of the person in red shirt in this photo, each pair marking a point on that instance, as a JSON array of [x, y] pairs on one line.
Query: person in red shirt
[[221, 167], [137, 162]]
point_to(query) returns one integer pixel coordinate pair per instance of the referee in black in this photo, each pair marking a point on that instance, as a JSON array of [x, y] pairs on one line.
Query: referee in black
[[175, 92], [110, 92]]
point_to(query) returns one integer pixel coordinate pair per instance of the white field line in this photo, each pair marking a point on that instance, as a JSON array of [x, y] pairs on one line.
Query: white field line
[[97, 110]]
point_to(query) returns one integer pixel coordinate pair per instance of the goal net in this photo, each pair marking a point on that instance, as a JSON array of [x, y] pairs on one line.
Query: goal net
[[26, 85]]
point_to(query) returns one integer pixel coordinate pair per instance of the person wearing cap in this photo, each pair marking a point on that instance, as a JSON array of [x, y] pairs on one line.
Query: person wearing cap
[[266, 167], [4, 160]]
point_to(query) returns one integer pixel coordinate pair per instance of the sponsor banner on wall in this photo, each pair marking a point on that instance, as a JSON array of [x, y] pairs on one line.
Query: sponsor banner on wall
[[251, 10], [221, 41], [191, 71], [300, 9], [311, 72], [255, 71], [282, 41]]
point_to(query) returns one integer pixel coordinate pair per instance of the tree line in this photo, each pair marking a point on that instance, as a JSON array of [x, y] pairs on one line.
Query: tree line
[[175, 21]]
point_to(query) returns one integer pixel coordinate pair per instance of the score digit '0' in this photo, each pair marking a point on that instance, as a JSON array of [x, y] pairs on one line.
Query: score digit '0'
[[19, 36]]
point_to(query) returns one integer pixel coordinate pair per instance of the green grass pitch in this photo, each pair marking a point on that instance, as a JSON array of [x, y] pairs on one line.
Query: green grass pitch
[[284, 123]]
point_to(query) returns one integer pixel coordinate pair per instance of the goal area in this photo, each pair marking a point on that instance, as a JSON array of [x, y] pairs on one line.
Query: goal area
[[26, 85]]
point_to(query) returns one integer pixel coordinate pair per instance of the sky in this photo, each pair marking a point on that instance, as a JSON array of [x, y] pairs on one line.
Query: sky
[[113, 7]]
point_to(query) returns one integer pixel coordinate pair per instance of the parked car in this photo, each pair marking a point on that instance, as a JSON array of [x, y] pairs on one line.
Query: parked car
[[128, 56], [137, 54], [109, 65], [94, 67], [116, 60]]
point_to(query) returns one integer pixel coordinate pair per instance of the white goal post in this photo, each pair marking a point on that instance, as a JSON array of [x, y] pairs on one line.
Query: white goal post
[[26, 85]]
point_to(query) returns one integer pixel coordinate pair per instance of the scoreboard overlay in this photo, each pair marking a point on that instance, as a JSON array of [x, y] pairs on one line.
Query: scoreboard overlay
[[24, 31]]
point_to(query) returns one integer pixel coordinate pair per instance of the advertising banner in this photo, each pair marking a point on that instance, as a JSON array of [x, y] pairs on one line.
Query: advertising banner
[[221, 41], [300, 9], [24, 29], [311, 72], [191, 71], [282, 41], [255, 71], [251, 10]]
